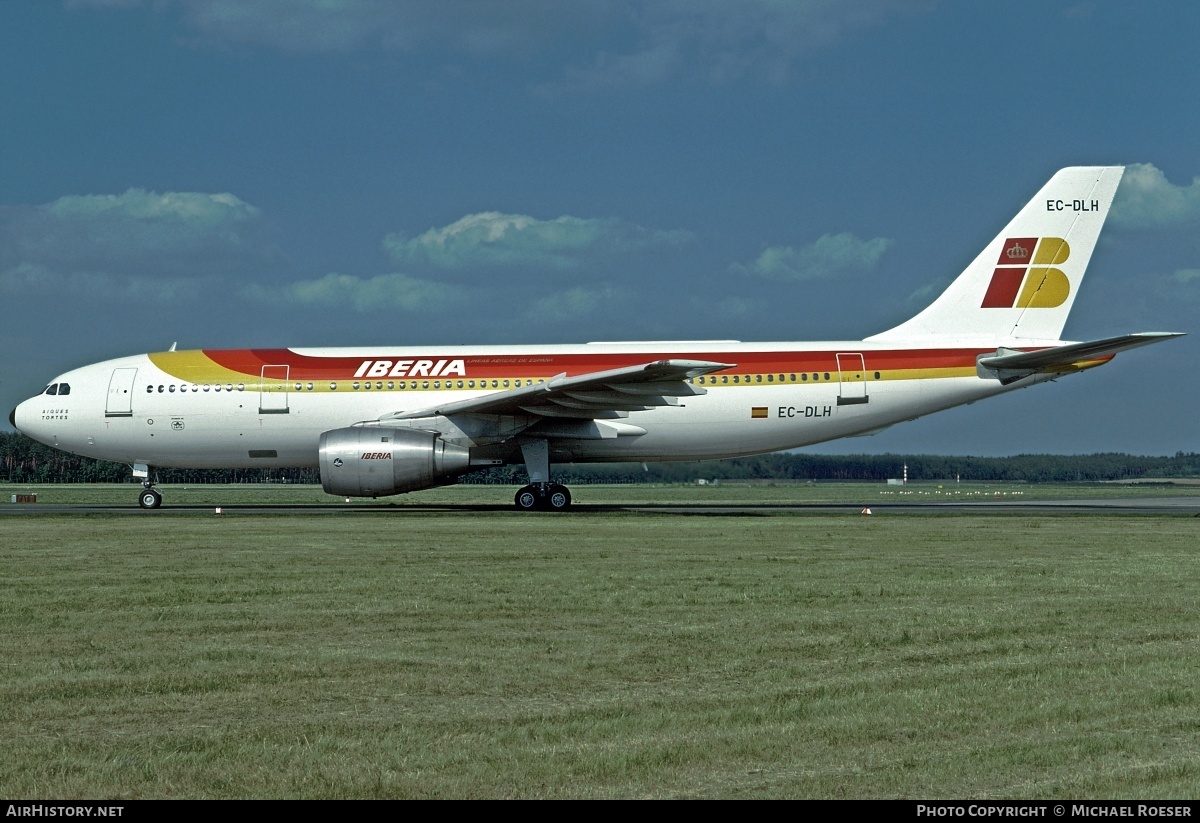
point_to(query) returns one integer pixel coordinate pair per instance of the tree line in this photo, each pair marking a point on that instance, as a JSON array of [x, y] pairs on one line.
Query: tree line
[[23, 460]]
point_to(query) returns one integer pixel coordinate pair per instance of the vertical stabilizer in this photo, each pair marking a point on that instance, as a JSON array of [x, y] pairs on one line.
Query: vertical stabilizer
[[1023, 283]]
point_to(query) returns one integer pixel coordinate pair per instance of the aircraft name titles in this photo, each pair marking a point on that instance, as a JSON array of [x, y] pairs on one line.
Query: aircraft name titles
[[376, 456], [412, 368]]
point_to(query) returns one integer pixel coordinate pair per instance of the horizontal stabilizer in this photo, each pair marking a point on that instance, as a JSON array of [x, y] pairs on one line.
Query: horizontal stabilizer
[[1012, 364]]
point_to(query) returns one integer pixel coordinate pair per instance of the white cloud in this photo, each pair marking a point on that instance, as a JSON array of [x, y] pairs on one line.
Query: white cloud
[[1187, 276], [27, 279], [321, 26], [925, 294], [832, 255], [386, 291], [1146, 198], [574, 304], [722, 41], [138, 246], [129, 231], [715, 39], [495, 239]]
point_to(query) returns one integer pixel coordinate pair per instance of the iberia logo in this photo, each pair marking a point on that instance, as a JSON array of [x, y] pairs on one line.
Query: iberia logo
[[1025, 277]]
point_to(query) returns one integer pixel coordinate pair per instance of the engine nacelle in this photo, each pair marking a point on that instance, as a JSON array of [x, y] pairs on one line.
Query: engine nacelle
[[368, 461]]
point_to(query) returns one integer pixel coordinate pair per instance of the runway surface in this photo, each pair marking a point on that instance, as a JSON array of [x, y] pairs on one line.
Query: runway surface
[[1183, 506]]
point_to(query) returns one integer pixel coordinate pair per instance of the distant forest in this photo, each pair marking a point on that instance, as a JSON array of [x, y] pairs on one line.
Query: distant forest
[[23, 460]]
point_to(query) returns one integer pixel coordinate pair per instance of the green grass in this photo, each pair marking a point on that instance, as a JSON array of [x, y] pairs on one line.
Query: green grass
[[614, 654], [729, 492]]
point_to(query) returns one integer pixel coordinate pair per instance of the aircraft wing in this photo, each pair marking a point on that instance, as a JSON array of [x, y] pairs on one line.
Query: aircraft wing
[[1013, 364], [602, 395]]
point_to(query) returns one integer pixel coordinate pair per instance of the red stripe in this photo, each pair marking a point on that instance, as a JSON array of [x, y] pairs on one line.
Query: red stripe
[[307, 367]]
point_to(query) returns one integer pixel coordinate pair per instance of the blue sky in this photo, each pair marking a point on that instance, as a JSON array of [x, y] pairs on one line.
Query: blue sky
[[222, 174]]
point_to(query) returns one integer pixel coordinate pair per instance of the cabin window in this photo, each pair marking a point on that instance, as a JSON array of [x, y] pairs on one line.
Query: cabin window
[[876, 375], [366, 386], [391, 385], [229, 386], [470, 384], [171, 388], [826, 375], [333, 386], [161, 388], [354, 386], [771, 378], [804, 377], [310, 386], [758, 378], [149, 390]]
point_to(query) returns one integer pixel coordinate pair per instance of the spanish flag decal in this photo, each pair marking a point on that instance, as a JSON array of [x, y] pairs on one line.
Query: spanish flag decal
[[758, 411]]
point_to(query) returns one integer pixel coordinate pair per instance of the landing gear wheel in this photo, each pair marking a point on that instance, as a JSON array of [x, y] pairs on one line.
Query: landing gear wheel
[[558, 498], [150, 499], [528, 499], [543, 497]]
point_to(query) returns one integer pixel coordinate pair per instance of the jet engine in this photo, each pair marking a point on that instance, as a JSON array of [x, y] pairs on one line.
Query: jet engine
[[369, 461]]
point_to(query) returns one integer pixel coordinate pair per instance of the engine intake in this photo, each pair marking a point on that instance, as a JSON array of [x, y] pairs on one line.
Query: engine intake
[[368, 461]]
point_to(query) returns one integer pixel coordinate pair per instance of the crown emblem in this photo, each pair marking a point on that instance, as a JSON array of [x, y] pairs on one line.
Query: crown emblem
[[1017, 252]]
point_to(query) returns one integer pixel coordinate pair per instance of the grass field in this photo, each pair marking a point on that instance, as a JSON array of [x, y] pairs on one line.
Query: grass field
[[730, 492], [487, 653]]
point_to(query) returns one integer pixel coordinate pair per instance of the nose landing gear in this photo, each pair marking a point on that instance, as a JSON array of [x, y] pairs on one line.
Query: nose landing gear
[[150, 498]]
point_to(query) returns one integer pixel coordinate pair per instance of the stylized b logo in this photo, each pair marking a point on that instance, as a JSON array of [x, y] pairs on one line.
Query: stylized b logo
[[1044, 287]]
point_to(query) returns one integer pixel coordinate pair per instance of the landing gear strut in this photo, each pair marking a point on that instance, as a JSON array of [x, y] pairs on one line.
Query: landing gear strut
[[543, 497], [149, 498]]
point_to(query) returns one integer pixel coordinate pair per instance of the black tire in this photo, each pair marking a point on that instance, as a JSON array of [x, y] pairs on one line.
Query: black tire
[[558, 499], [527, 499], [150, 499]]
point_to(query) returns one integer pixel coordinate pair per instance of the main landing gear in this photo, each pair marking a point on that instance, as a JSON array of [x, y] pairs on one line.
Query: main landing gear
[[543, 497]]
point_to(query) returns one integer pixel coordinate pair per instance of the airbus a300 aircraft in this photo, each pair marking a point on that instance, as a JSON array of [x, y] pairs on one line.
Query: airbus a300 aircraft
[[382, 421]]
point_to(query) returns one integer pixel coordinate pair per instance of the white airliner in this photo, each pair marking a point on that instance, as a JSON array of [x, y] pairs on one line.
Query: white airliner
[[381, 421]]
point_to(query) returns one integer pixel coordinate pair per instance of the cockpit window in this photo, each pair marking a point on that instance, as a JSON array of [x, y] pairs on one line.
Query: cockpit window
[[52, 388], [64, 388]]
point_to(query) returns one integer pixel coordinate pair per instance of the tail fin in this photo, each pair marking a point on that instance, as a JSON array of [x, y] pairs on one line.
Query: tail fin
[[1022, 285]]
